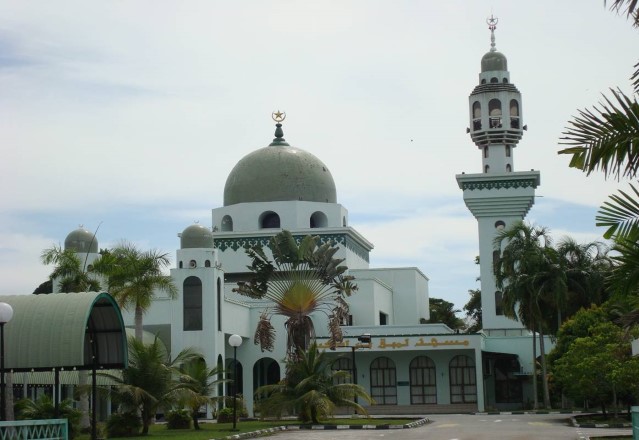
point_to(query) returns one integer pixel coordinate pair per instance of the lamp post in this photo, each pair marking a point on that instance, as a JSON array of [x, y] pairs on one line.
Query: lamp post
[[6, 313], [364, 339], [235, 341]]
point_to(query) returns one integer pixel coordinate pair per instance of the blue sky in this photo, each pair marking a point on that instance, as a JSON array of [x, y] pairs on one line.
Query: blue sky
[[130, 115]]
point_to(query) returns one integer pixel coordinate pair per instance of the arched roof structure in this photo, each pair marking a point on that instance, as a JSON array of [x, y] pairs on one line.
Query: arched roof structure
[[64, 331]]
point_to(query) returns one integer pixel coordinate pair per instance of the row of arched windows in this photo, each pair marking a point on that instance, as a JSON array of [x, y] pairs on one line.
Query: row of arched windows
[[494, 80], [271, 220], [495, 114], [423, 379]]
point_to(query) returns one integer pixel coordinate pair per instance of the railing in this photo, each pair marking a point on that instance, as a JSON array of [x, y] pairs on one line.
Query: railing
[[54, 429]]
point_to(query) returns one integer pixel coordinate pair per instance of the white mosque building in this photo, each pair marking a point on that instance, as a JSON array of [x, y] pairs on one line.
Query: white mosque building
[[408, 367]]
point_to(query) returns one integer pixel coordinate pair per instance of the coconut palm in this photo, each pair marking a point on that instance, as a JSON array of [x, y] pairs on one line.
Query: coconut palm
[[69, 270], [311, 389], [302, 279], [200, 385], [151, 380], [134, 277]]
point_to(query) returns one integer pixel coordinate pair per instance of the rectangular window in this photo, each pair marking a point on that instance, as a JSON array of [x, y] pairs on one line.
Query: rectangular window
[[383, 318]]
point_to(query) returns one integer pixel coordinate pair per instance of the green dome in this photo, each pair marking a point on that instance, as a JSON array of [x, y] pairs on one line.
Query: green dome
[[81, 241], [196, 236], [494, 60], [279, 172]]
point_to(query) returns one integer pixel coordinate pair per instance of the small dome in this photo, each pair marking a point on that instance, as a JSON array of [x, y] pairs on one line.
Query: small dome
[[81, 241], [494, 60], [196, 236], [279, 172]]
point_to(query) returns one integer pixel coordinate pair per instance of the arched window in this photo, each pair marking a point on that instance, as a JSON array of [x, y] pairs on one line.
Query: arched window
[[343, 364], [219, 305], [227, 223], [476, 115], [485, 152], [508, 150], [494, 80], [269, 220], [192, 304], [181, 265], [509, 168], [494, 110], [207, 263], [514, 113], [383, 381], [505, 80], [266, 371], [234, 386], [423, 381], [344, 221], [463, 380], [483, 81], [319, 220], [486, 169]]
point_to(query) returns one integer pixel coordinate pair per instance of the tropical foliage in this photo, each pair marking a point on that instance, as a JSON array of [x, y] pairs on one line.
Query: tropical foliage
[[541, 283], [149, 382], [311, 389], [70, 271], [200, 383], [445, 312], [43, 408], [134, 277], [473, 311], [303, 279]]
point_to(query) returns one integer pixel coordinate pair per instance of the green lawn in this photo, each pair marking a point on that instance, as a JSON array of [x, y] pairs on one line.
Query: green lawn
[[217, 431]]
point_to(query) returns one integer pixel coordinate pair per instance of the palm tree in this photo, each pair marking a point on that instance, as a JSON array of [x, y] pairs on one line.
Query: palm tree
[[525, 256], [134, 276], [150, 380], [69, 270], [311, 389], [302, 280], [201, 383]]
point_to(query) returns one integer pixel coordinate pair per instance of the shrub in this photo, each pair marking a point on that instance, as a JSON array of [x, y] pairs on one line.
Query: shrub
[[126, 424], [239, 402], [178, 419], [44, 408], [225, 415]]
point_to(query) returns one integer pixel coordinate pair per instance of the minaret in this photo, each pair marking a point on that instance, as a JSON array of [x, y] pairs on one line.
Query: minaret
[[498, 196]]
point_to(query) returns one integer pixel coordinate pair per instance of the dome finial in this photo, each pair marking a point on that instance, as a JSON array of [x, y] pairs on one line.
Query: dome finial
[[492, 25], [278, 117]]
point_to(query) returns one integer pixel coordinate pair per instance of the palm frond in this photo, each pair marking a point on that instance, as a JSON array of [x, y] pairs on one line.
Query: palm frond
[[620, 214]]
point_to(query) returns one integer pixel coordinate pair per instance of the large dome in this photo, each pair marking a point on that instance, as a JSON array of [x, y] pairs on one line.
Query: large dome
[[279, 172], [81, 241]]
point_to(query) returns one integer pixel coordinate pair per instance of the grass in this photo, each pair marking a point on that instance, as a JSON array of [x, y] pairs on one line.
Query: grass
[[221, 430]]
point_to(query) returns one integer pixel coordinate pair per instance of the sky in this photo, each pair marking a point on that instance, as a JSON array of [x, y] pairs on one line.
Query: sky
[[126, 117]]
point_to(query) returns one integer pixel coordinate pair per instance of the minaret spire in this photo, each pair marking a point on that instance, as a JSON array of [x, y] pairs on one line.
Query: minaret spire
[[278, 117], [492, 25]]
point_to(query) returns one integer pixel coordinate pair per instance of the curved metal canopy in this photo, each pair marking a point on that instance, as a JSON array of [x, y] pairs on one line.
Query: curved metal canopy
[[64, 330]]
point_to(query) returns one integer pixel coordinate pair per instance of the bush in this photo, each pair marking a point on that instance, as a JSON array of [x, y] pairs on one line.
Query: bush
[[239, 402], [178, 419], [44, 408], [126, 424], [225, 415]]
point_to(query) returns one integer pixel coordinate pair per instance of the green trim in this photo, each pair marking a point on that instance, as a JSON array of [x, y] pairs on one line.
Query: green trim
[[246, 242], [499, 184]]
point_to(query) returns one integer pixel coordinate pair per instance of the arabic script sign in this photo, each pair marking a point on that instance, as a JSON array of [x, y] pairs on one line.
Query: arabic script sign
[[383, 344]]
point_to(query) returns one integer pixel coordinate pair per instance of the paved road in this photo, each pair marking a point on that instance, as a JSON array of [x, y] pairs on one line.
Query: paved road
[[470, 427]]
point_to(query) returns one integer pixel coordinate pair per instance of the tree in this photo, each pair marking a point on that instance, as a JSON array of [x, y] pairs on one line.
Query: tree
[[69, 270], [151, 379], [473, 311], [200, 384], [445, 312], [519, 275], [43, 408], [134, 276], [302, 279], [311, 389]]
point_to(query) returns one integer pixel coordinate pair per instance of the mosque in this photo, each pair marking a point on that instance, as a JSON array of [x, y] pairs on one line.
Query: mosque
[[407, 366]]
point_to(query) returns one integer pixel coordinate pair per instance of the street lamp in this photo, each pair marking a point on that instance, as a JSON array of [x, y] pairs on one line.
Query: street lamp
[[364, 339], [6, 313], [235, 341]]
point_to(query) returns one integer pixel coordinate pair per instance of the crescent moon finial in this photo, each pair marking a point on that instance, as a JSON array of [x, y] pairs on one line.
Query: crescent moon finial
[[278, 116]]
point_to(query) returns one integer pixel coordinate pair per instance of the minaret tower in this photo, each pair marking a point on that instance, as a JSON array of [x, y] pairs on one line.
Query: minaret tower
[[498, 196]]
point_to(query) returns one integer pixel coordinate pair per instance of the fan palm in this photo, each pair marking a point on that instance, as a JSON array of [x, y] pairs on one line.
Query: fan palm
[[302, 280], [134, 277], [311, 389], [69, 270]]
